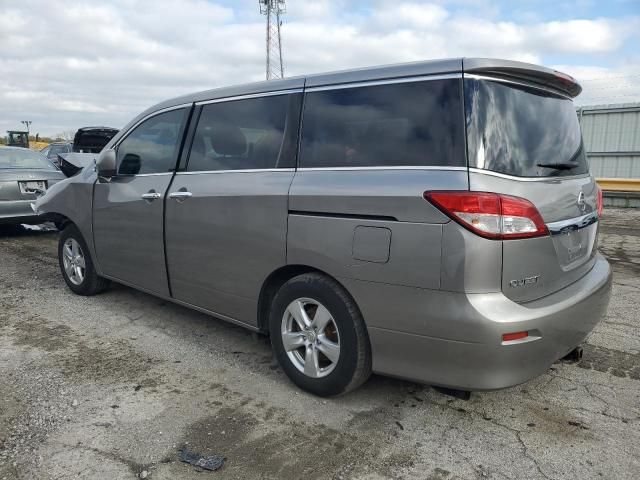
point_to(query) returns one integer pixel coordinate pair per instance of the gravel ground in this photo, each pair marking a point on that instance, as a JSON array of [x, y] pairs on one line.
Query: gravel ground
[[113, 386]]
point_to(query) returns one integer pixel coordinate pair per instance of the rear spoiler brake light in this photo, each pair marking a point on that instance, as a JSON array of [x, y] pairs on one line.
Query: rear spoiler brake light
[[543, 76]]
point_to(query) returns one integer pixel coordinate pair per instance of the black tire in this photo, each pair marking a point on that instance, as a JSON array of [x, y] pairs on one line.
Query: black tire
[[353, 366], [91, 284]]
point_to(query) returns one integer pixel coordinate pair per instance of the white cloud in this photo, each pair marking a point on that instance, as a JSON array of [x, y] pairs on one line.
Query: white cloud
[[580, 36], [66, 65]]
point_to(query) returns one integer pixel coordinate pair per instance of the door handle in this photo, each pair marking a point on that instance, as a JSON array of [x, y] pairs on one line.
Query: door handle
[[180, 195], [151, 195]]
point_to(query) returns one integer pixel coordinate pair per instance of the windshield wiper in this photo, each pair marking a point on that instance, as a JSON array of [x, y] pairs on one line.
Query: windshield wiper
[[568, 165], [559, 165]]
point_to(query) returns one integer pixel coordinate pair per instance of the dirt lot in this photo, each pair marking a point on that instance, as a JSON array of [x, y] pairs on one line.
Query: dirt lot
[[112, 387]]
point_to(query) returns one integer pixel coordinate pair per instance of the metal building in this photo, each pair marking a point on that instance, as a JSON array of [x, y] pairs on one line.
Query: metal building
[[612, 139]]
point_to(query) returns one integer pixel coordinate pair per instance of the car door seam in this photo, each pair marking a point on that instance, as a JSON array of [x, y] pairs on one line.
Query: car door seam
[[298, 138], [185, 132]]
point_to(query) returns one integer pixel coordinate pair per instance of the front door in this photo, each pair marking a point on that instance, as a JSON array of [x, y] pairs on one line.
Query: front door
[[226, 218], [128, 210]]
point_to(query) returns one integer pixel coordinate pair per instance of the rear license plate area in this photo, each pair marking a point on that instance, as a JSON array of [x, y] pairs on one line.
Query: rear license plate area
[[574, 247], [32, 187]]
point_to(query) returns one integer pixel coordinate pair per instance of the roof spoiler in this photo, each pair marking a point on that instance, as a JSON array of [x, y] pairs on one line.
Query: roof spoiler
[[543, 76]]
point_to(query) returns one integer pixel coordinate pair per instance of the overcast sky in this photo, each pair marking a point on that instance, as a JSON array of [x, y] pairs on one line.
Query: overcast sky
[[68, 64]]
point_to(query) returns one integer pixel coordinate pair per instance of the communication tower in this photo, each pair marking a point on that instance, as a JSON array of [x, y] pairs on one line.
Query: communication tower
[[272, 9]]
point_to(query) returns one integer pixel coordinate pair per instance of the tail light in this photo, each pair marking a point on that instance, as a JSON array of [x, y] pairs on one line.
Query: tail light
[[510, 337], [600, 202], [490, 215]]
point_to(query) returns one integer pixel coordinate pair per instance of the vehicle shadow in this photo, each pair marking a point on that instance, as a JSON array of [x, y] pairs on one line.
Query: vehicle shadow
[[13, 231], [233, 342]]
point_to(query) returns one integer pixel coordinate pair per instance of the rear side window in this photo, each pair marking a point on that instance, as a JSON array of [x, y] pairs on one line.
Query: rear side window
[[245, 134], [522, 131], [394, 125], [56, 149], [152, 147]]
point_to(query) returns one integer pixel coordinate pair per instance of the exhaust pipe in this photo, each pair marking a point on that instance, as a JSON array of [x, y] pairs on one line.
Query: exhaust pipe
[[574, 356]]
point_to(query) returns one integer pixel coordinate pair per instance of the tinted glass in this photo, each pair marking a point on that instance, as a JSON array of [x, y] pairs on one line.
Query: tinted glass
[[23, 158], [240, 134], [93, 140], [403, 124], [522, 131], [17, 137], [152, 146], [56, 149]]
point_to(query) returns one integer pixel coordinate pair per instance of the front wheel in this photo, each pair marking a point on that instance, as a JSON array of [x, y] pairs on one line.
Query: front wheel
[[76, 265], [319, 336]]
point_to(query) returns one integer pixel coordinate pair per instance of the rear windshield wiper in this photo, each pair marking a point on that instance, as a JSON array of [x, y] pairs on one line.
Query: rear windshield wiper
[[568, 165], [559, 165]]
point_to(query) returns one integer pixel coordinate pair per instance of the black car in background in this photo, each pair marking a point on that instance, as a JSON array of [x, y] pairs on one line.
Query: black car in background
[[87, 142], [92, 139], [52, 150]]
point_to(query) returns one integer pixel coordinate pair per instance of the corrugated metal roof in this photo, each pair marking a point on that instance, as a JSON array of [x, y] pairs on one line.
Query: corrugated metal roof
[[609, 106]]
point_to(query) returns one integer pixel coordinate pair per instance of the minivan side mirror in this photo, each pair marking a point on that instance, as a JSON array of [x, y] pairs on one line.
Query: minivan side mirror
[[106, 163]]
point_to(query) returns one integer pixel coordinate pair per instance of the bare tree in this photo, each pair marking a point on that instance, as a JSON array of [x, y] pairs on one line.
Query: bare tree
[[67, 135]]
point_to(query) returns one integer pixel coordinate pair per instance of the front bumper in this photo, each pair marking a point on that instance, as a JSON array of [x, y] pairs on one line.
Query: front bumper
[[17, 211], [459, 345]]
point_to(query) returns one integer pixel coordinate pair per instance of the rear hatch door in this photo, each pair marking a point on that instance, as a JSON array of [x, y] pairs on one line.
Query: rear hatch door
[[92, 139], [525, 141]]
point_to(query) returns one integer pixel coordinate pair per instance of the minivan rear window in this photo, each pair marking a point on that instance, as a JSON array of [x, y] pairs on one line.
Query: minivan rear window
[[522, 131], [418, 123]]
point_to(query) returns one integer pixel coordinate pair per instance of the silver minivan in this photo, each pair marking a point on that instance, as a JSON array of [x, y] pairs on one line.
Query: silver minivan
[[433, 221]]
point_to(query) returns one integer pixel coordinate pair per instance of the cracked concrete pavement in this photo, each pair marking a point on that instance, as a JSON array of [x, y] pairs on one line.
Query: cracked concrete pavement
[[114, 385]]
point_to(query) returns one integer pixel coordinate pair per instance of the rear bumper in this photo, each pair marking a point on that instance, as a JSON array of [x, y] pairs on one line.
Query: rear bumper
[[459, 345], [17, 211]]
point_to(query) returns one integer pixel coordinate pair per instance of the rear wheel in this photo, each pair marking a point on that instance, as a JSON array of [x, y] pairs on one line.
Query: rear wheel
[[318, 336], [76, 265]]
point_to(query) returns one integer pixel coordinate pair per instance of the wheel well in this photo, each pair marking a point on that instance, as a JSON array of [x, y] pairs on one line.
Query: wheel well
[[60, 220], [271, 286]]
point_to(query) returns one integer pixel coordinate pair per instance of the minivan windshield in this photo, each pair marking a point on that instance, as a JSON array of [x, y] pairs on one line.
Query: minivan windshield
[[522, 131]]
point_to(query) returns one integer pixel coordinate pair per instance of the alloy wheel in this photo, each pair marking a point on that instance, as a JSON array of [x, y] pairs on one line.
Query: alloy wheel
[[73, 261], [310, 337]]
